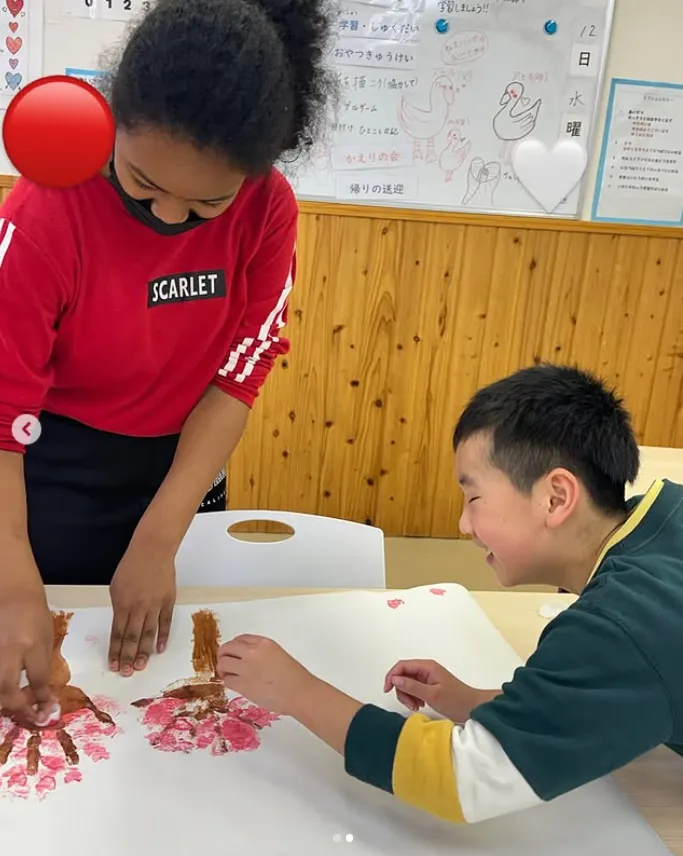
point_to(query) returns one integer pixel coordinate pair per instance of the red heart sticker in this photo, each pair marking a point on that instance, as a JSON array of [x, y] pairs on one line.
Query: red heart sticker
[[14, 45], [14, 7], [13, 26]]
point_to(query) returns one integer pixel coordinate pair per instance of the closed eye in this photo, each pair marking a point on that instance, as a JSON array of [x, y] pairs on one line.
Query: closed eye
[[143, 186], [470, 501]]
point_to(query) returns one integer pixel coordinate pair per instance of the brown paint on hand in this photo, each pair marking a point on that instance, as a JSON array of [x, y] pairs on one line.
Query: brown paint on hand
[[70, 699], [206, 635]]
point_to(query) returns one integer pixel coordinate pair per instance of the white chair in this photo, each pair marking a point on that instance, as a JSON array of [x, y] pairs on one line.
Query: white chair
[[656, 462], [323, 552]]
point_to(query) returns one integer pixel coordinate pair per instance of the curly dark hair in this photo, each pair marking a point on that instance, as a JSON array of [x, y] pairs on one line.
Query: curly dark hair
[[246, 78]]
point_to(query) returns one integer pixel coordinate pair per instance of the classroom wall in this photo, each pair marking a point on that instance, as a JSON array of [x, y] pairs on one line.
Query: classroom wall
[[645, 44], [397, 317], [396, 322]]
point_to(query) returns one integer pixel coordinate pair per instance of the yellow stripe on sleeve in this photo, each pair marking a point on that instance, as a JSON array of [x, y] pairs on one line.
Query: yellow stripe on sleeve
[[424, 774]]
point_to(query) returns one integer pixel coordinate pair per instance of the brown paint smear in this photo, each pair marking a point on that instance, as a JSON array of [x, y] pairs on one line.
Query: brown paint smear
[[71, 700], [202, 700], [207, 637]]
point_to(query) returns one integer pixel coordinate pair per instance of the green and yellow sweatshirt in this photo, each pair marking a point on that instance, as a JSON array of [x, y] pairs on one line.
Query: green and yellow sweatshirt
[[604, 686]]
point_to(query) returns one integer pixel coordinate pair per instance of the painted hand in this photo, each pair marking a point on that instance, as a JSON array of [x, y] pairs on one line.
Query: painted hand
[[143, 594], [33, 758], [26, 644], [424, 682], [260, 670]]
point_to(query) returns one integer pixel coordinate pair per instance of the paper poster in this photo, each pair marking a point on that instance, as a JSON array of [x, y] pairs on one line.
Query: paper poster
[[640, 177], [89, 75], [456, 85], [21, 48]]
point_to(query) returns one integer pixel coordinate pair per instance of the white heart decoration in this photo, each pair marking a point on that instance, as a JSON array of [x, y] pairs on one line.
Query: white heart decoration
[[549, 174]]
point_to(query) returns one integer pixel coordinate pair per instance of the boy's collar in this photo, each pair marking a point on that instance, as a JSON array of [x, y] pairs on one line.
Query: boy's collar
[[635, 517]]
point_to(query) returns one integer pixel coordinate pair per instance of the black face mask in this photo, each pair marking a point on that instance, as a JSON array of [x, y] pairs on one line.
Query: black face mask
[[141, 209]]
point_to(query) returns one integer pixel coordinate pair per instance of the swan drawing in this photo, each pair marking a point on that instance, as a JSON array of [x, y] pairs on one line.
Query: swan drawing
[[516, 118], [427, 123], [454, 154]]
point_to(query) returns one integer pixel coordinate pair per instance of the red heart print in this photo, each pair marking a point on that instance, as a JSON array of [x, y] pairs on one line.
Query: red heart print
[[13, 26], [14, 45], [437, 591], [394, 604], [14, 7]]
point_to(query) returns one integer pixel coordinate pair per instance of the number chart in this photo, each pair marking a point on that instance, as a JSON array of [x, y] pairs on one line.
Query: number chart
[[106, 10]]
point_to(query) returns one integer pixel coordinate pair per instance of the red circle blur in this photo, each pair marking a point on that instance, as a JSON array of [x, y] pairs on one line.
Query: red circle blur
[[58, 131]]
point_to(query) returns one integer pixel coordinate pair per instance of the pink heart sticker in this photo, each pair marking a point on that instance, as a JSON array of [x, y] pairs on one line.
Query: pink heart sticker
[[394, 604], [438, 591]]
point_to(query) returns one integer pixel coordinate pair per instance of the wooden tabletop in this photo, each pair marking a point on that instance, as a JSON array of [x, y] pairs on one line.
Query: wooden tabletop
[[654, 782]]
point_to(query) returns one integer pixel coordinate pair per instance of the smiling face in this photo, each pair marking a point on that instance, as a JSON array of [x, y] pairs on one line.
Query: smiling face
[[174, 176], [510, 526]]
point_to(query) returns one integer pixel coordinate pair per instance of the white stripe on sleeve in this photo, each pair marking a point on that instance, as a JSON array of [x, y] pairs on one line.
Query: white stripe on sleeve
[[489, 785], [7, 232], [250, 349]]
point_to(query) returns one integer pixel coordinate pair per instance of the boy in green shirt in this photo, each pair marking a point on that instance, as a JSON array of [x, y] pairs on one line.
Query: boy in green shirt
[[543, 458]]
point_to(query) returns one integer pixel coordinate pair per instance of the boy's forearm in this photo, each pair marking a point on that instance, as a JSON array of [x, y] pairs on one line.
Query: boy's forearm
[[326, 712]]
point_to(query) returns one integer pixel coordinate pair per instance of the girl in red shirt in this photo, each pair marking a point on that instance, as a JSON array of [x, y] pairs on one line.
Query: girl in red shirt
[[140, 314]]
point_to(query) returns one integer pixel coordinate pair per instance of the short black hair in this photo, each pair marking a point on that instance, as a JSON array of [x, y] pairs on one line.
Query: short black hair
[[245, 78], [549, 416]]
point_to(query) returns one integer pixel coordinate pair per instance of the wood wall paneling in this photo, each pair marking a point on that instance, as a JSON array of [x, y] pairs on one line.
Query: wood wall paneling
[[397, 317]]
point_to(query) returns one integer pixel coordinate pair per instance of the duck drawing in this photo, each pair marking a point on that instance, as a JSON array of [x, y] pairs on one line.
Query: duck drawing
[[516, 118], [427, 123], [454, 154]]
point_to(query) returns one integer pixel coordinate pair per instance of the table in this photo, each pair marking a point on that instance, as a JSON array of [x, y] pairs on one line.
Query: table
[[654, 782]]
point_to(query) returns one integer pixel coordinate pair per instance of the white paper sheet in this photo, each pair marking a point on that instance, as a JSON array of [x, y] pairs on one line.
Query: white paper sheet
[[284, 792]]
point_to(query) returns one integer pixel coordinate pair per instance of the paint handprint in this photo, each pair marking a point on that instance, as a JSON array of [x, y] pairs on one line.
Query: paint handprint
[[34, 760], [196, 713]]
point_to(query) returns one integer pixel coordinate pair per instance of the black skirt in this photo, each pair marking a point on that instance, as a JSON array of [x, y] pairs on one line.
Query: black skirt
[[86, 491]]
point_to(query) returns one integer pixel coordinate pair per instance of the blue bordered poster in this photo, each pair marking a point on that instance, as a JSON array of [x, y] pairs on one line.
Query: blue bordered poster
[[640, 175], [88, 74]]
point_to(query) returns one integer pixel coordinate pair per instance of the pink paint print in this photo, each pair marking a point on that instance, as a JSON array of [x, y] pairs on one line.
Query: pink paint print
[[196, 714], [36, 761], [437, 591], [395, 603]]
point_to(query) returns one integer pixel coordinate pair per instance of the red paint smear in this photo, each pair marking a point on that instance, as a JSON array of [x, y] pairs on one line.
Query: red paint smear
[[234, 729], [89, 736]]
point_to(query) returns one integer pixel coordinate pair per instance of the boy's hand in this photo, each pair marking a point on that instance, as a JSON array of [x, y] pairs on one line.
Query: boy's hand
[[420, 682], [260, 670]]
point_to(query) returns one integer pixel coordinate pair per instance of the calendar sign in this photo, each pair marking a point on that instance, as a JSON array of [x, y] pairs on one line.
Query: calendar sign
[[107, 10]]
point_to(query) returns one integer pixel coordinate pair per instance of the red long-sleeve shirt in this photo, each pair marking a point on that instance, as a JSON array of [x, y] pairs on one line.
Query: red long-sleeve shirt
[[107, 322]]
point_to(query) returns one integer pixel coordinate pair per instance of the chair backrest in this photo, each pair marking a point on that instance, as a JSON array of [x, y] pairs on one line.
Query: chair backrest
[[657, 462], [323, 552]]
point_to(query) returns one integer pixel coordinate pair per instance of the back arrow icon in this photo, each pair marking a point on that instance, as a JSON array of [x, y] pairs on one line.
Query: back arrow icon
[[26, 429]]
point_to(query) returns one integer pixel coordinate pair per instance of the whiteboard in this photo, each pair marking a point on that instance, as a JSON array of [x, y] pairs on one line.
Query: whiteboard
[[435, 94]]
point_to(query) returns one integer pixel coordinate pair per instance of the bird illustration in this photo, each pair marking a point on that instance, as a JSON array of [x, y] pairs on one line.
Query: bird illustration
[[454, 154], [427, 123], [515, 120]]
